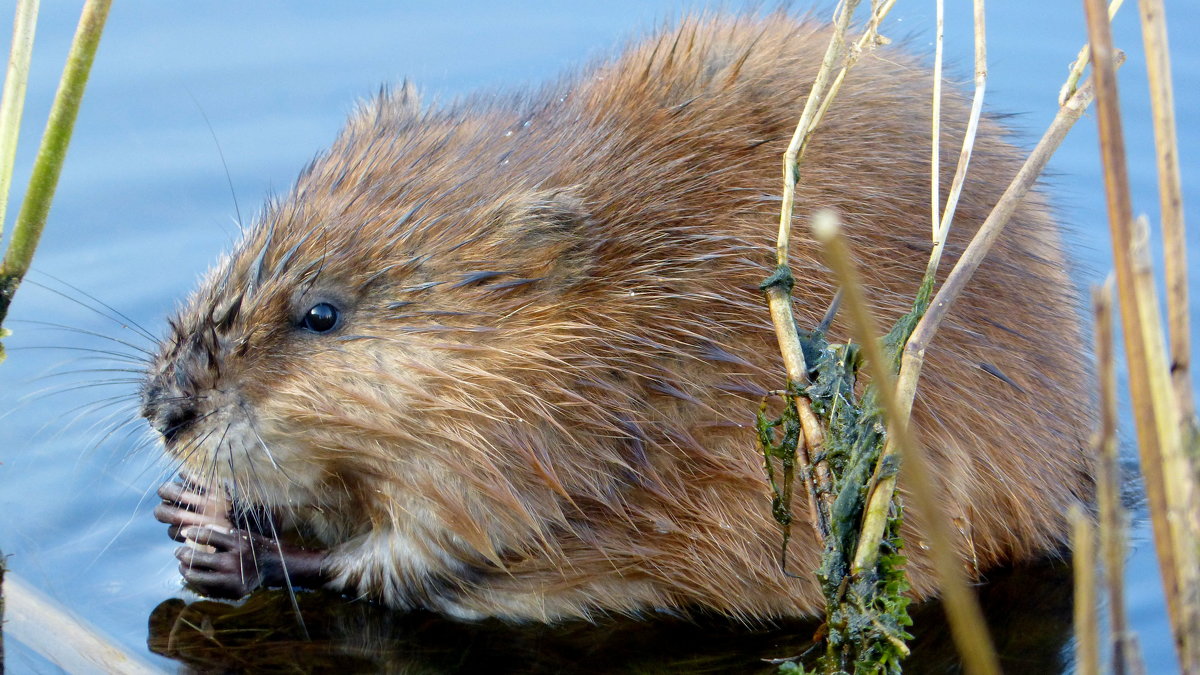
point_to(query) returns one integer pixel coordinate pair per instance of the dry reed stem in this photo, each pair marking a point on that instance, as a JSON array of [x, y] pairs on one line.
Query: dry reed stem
[[1183, 513], [1137, 665], [875, 517], [914, 351], [962, 609], [1087, 629], [3, 570], [968, 143], [869, 38], [16, 81], [1162, 100], [935, 159], [44, 626], [1120, 211], [1159, 438], [778, 294], [1108, 485], [819, 485], [972, 257], [804, 129], [1081, 62]]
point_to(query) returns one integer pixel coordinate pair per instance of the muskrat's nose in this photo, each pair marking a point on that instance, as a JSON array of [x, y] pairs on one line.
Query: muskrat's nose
[[169, 412], [174, 417]]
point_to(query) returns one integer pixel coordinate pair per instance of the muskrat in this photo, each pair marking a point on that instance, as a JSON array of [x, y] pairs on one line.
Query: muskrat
[[501, 357]]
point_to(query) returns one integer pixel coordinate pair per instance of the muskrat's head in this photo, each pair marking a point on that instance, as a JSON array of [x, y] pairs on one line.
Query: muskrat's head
[[360, 334]]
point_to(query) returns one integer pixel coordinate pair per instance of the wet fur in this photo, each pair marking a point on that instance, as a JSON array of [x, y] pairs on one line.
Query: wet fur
[[538, 405]]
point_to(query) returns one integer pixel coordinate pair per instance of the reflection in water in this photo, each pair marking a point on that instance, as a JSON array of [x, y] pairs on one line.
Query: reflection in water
[[1028, 609]]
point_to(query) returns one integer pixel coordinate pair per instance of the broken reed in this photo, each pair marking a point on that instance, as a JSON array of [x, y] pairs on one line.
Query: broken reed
[[1162, 407], [872, 604], [1122, 650]]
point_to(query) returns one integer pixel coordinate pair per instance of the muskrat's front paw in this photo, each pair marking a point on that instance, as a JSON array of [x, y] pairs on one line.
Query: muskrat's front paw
[[226, 562], [186, 503]]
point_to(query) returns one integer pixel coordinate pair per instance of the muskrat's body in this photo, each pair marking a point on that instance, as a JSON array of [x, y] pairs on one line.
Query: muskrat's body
[[502, 358]]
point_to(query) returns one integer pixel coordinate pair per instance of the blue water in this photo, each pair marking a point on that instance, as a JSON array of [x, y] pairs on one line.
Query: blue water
[[144, 206]]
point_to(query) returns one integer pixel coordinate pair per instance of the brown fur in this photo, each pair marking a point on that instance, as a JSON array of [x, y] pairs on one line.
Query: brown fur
[[539, 405]]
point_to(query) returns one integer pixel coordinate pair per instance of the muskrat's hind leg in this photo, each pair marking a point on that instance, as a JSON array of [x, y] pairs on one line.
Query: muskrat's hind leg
[[224, 561]]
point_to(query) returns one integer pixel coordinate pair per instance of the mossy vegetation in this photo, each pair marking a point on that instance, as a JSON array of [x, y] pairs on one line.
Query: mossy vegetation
[[866, 612]]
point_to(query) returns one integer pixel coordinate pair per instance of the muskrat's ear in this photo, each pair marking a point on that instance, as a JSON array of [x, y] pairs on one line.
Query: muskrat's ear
[[544, 235]]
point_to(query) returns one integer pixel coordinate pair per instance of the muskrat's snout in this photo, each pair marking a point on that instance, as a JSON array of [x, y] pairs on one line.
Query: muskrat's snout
[[171, 391], [167, 406]]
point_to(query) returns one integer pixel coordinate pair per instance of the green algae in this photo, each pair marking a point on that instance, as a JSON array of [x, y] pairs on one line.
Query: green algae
[[866, 617]]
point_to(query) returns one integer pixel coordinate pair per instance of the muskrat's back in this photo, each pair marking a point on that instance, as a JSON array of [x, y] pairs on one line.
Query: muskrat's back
[[536, 396]]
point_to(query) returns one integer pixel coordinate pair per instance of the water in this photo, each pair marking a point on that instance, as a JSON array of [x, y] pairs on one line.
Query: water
[[144, 207]]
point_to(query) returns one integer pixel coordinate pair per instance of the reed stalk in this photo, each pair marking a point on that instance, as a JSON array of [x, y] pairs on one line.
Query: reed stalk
[[913, 358], [12, 103], [72, 645], [935, 154], [875, 517], [1080, 63], [778, 287], [1087, 629], [965, 617], [870, 38], [1108, 485], [968, 142], [35, 208], [972, 257], [962, 609], [993, 226], [27, 615], [1162, 101], [3, 569], [1167, 473]]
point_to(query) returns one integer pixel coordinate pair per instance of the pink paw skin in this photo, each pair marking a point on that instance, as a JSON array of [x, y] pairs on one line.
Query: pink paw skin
[[223, 561]]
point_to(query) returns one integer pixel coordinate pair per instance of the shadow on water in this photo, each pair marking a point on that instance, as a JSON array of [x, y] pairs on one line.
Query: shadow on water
[[1029, 610]]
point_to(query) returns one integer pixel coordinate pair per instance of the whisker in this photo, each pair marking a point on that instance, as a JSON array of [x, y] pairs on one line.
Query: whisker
[[109, 418], [266, 450], [189, 451], [89, 371], [118, 356], [134, 514], [131, 423], [116, 317], [150, 438], [93, 407], [47, 392], [87, 359], [90, 430], [224, 164], [84, 331], [287, 577], [170, 468], [236, 498]]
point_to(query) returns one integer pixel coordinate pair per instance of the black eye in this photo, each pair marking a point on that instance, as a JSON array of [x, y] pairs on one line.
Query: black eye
[[320, 318]]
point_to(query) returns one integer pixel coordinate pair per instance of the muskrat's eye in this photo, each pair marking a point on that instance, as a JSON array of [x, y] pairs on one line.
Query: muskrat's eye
[[320, 318]]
